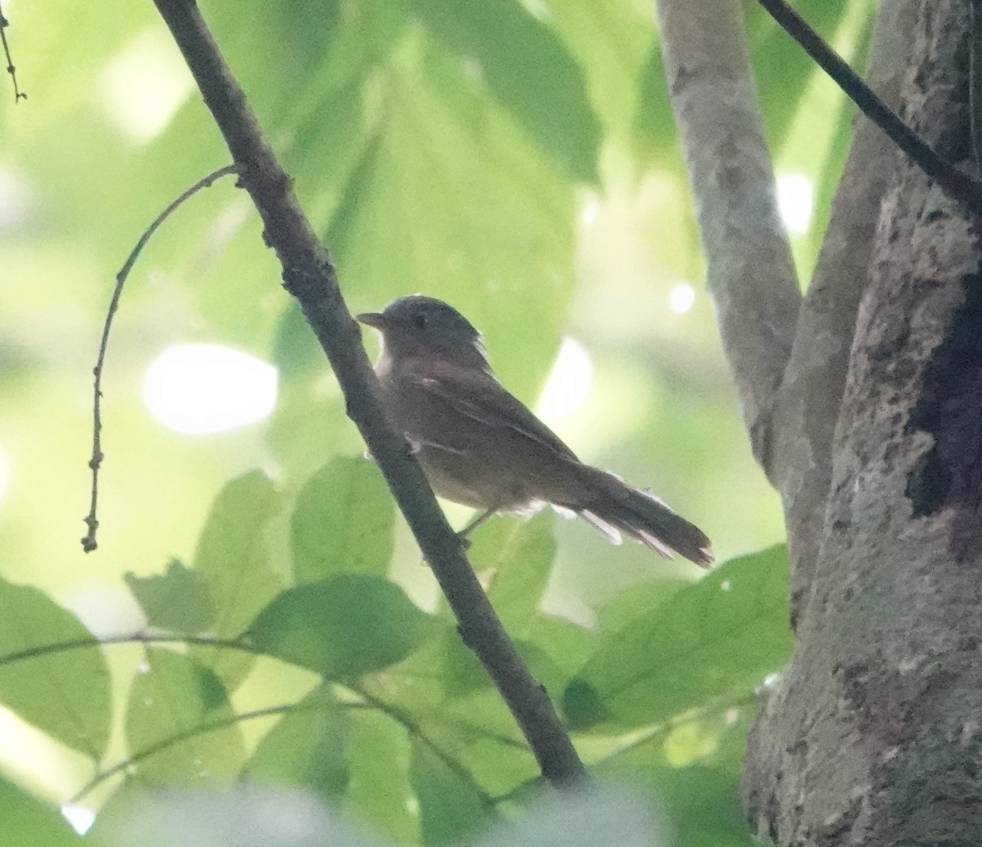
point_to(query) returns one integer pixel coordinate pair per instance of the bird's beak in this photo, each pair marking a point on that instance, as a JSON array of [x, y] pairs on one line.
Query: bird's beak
[[375, 319]]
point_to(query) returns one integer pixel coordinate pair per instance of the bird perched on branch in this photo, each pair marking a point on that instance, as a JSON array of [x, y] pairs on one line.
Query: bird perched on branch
[[480, 446]]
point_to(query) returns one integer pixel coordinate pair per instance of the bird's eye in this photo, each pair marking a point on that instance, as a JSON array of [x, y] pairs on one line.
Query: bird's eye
[[420, 321]]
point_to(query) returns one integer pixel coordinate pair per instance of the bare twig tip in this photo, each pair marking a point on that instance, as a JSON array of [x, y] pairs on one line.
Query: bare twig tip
[[89, 542]]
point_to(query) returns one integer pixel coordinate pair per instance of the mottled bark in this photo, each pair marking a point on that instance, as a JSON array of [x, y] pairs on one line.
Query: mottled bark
[[874, 733], [807, 406]]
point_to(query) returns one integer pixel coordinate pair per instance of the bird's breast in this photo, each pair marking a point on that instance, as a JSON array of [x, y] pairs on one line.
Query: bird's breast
[[482, 464]]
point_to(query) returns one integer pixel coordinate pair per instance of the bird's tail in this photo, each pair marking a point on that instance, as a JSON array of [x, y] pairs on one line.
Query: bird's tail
[[614, 507]]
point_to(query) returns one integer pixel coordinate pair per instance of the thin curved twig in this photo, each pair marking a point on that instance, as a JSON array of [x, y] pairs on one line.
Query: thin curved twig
[[178, 737], [368, 700], [4, 23], [91, 520], [638, 739], [412, 726], [304, 705], [133, 638]]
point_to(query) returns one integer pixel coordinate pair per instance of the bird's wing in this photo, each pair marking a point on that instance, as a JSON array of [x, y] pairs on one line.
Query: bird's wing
[[481, 397]]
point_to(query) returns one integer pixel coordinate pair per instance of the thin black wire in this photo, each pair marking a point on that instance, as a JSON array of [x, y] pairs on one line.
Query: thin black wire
[[953, 181]]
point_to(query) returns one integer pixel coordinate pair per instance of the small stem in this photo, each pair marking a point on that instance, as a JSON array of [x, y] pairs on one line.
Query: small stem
[[95, 463], [4, 23]]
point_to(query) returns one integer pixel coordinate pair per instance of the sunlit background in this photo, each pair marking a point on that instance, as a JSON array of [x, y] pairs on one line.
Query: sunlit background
[[208, 388], [210, 373], [196, 389]]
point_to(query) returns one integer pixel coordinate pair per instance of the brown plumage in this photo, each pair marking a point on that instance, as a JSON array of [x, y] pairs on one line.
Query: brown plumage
[[480, 446]]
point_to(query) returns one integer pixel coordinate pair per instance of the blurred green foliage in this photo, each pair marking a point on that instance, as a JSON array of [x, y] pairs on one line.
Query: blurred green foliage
[[517, 159]]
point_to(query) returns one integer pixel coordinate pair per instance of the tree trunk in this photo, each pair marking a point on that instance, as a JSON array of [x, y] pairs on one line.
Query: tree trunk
[[873, 735]]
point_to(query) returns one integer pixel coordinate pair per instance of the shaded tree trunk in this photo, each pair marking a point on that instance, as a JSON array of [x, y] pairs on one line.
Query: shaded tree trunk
[[874, 733]]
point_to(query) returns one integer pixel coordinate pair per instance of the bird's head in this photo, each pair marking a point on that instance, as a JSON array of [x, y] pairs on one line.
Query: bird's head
[[421, 327]]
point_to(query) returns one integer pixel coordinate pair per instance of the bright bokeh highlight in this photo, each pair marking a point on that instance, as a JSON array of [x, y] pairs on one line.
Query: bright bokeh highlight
[[681, 298], [32, 758], [15, 199], [795, 201], [79, 817], [590, 212], [197, 389], [568, 382], [144, 84]]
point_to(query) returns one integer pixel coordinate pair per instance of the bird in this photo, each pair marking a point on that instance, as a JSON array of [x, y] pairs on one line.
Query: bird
[[481, 446]]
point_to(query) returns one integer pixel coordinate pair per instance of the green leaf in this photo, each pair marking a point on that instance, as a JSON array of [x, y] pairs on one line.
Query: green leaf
[[518, 554], [409, 220], [528, 69], [655, 134], [306, 747], [378, 790], [334, 117], [709, 737], [451, 809], [642, 599], [610, 41], [65, 693], [173, 701], [343, 521], [28, 822], [342, 627], [720, 635], [483, 737], [583, 706], [453, 702], [567, 644], [177, 600], [309, 414], [306, 419], [703, 805], [117, 810], [232, 557], [461, 671]]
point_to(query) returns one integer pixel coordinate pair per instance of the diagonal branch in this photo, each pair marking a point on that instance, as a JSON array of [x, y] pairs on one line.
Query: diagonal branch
[[309, 276], [749, 270]]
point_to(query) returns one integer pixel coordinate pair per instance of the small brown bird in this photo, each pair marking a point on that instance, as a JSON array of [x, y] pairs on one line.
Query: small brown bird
[[480, 446]]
